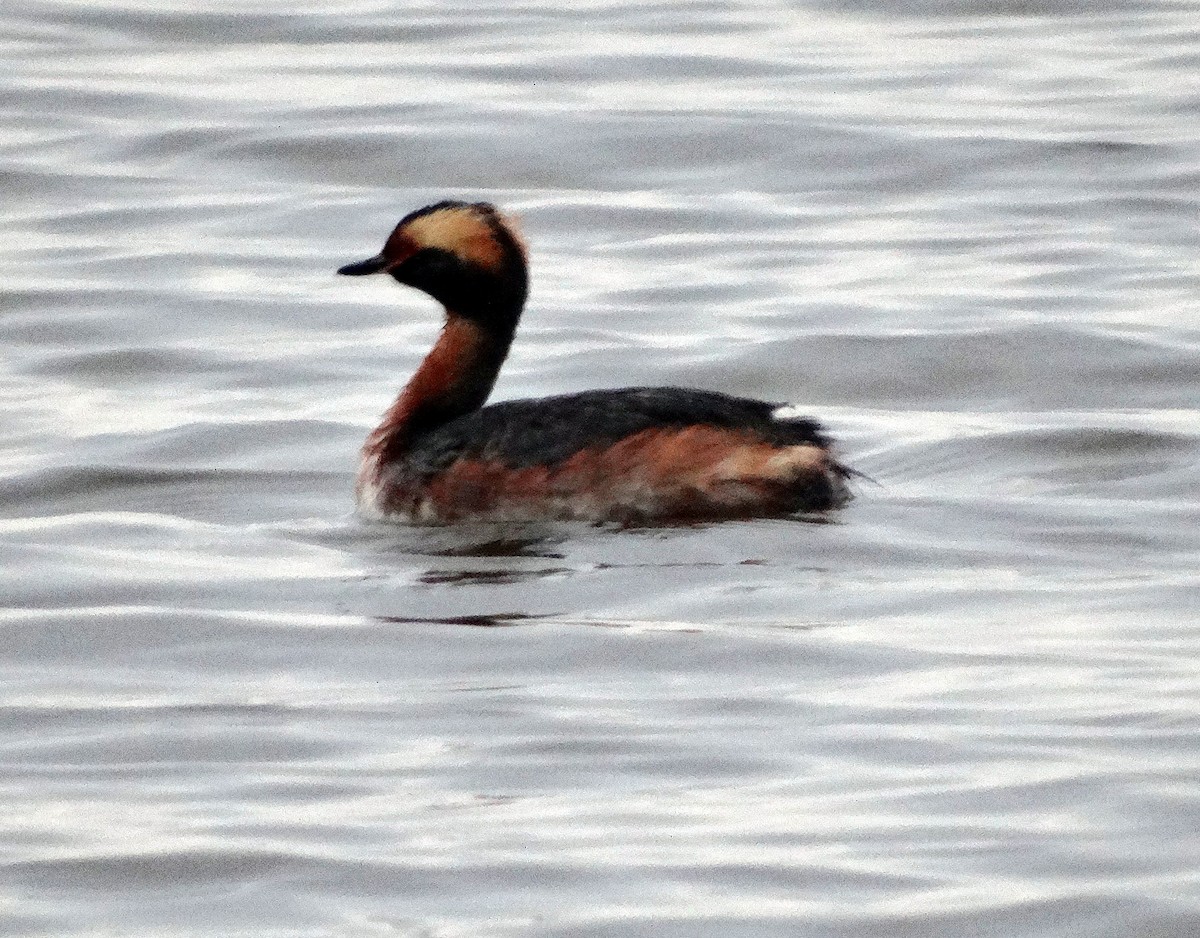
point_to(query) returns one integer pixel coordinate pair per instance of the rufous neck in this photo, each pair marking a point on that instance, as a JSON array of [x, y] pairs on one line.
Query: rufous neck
[[455, 378]]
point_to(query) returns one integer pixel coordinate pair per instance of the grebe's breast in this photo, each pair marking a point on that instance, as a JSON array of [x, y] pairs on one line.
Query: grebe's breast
[[636, 454]]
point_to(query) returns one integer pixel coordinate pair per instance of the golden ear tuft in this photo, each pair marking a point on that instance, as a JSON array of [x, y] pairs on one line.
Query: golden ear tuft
[[469, 231]]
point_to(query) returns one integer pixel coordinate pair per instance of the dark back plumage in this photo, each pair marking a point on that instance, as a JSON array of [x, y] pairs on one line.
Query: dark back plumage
[[549, 430]]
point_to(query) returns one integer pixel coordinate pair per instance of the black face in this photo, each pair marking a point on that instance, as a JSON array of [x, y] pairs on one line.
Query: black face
[[490, 295], [433, 270], [465, 288]]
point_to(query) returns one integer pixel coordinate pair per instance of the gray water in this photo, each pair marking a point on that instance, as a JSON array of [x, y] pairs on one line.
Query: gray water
[[963, 234]]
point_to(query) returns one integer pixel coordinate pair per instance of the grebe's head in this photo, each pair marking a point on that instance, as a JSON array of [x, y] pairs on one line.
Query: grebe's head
[[466, 255]]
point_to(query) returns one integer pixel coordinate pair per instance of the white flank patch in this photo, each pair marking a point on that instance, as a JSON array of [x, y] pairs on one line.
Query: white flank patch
[[369, 491], [788, 412]]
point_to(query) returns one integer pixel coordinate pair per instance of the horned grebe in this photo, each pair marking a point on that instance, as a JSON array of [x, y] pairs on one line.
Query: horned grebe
[[632, 455]]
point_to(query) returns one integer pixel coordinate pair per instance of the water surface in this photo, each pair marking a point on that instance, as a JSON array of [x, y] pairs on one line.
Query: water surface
[[964, 235]]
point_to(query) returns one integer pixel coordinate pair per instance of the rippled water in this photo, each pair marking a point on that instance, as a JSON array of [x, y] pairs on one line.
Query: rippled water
[[962, 234]]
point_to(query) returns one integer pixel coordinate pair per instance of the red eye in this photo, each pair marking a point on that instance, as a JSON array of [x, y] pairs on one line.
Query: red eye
[[399, 248]]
